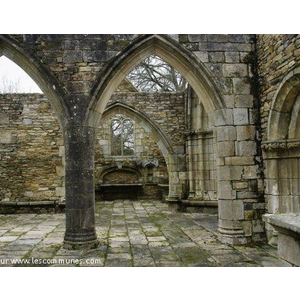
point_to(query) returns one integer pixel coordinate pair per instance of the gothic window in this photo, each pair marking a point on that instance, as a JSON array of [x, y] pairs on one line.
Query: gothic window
[[122, 136]]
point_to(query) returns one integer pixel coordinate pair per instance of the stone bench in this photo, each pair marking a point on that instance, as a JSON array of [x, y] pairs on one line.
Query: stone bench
[[288, 227], [36, 207]]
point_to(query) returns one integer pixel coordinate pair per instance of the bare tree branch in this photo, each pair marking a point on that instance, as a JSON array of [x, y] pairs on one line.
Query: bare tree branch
[[9, 86], [155, 75]]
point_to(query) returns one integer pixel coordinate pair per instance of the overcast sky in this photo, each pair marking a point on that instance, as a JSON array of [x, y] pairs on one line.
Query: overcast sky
[[12, 72]]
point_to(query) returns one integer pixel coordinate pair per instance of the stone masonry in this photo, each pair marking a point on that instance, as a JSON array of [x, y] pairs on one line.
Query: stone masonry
[[31, 153], [278, 66], [241, 105]]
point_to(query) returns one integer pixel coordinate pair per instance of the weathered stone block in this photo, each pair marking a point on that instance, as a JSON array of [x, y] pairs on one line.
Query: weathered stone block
[[5, 137], [225, 149], [60, 191], [229, 100], [223, 117], [250, 172], [245, 133], [230, 172], [239, 160], [258, 226], [226, 133], [232, 57], [246, 148], [225, 190], [241, 185], [240, 116], [202, 56], [60, 170], [216, 57], [235, 70], [218, 38], [239, 38], [72, 56], [93, 56], [241, 86], [27, 122], [247, 228], [197, 38], [243, 101], [4, 118], [231, 209], [247, 195], [61, 151], [28, 194]]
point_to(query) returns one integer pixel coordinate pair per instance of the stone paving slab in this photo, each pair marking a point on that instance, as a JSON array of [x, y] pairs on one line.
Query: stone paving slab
[[130, 233]]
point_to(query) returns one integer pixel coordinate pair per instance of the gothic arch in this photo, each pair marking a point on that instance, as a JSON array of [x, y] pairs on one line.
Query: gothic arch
[[143, 120], [159, 136], [284, 117], [31, 64], [167, 49]]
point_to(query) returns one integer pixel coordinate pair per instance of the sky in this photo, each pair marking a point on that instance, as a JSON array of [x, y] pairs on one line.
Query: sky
[[9, 71]]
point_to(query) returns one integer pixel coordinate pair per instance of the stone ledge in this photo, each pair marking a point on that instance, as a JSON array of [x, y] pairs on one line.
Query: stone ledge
[[288, 227], [201, 202], [196, 205], [31, 207], [287, 221]]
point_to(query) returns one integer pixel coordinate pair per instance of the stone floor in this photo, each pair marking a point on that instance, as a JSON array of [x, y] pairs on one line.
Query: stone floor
[[131, 233]]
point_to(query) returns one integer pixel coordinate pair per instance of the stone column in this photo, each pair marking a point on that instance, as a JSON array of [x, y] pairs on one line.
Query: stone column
[[239, 184], [229, 171], [191, 167], [80, 192]]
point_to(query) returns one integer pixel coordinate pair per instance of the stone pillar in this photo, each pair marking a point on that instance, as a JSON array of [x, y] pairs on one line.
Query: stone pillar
[[191, 167], [80, 192], [229, 171], [239, 183], [173, 197]]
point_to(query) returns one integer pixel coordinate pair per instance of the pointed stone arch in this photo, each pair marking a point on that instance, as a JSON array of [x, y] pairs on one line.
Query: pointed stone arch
[[162, 140], [31, 64], [284, 117], [157, 133], [282, 148], [169, 50]]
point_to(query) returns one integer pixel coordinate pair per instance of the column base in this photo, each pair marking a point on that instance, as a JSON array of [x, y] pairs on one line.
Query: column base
[[233, 236], [80, 246], [172, 198], [80, 240], [173, 202]]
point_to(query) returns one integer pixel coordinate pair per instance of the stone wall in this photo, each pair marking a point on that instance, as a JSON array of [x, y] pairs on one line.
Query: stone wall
[[31, 152], [167, 111], [277, 56], [32, 147], [279, 61], [80, 72], [145, 150]]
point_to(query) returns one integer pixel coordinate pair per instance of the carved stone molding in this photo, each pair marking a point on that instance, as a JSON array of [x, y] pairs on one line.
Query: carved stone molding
[[148, 162], [280, 145]]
